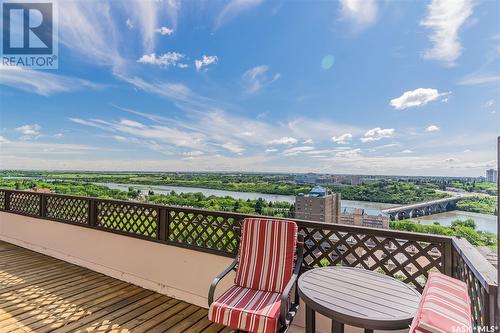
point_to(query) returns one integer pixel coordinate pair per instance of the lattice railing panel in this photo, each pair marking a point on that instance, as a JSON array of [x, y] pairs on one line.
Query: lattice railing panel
[[477, 294], [128, 217], [2, 200], [69, 209], [407, 260], [206, 230], [405, 256], [25, 203]]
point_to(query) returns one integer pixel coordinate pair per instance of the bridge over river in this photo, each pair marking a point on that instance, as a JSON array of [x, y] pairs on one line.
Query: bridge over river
[[422, 208]]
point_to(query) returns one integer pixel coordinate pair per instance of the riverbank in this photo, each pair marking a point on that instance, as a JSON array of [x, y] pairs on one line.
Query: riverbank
[[384, 191], [484, 222]]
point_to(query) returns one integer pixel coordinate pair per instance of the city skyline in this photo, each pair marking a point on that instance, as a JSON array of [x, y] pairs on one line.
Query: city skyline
[[352, 87]]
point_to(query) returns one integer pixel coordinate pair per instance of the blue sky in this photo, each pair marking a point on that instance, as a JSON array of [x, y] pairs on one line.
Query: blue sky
[[364, 87]]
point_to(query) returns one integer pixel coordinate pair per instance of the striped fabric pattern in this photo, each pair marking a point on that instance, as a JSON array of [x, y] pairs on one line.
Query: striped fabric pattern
[[246, 309], [267, 250], [445, 307]]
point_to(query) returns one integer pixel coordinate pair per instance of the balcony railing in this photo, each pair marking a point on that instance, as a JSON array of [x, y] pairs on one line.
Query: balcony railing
[[403, 255]]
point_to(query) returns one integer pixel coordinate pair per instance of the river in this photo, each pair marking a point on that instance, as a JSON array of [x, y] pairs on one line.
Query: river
[[484, 222]]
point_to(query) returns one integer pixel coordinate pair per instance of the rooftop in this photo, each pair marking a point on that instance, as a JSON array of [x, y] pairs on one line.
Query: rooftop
[[132, 266]]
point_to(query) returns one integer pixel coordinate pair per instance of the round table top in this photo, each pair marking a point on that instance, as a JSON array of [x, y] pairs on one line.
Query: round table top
[[359, 297]]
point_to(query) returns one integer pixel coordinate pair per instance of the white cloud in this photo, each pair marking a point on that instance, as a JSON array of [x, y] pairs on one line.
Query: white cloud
[[40, 82], [268, 150], [205, 61], [207, 163], [16, 149], [131, 123], [177, 92], [58, 135], [286, 140], [167, 135], [352, 153], [445, 18], [489, 103], [390, 145], [233, 9], [194, 153], [473, 80], [361, 13], [4, 140], [342, 139], [147, 14], [213, 128], [165, 60], [308, 142], [233, 147], [324, 151], [406, 151], [318, 129], [297, 150], [88, 29], [417, 97], [120, 138], [91, 29], [451, 160], [29, 131], [432, 128], [164, 31], [256, 78], [377, 133], [129, 23]]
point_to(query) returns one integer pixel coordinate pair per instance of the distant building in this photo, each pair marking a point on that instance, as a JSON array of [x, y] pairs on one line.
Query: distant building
[[339, 180], [318, 205], [307, 178], [359, 218], [491, 175]]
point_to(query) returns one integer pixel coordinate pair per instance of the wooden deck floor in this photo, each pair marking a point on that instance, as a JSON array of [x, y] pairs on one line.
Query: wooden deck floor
[[39, 293]]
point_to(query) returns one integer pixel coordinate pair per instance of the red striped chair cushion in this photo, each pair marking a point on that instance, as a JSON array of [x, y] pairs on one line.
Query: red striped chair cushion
[[445, 307], [267, 250], [247, 309]]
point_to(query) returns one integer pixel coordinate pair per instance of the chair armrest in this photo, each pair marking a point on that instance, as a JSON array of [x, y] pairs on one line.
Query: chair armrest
[[284, 298], [217, 279], [289, 286]]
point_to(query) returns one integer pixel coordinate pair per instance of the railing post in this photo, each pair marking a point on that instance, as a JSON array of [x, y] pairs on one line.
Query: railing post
[[498, 236], [92, 213], [163, 224], [6, 204], [43, 205], [448, 258]]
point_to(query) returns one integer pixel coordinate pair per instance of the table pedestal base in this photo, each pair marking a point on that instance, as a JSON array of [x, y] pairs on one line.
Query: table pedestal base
[[310, 320], [337, 327], [311, 323]]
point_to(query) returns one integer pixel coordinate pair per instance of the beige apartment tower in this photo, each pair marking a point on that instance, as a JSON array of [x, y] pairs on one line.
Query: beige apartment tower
[[318, 205]]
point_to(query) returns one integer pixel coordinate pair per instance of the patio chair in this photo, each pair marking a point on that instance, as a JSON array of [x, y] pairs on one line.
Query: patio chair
[[267, 267], [445, 307]]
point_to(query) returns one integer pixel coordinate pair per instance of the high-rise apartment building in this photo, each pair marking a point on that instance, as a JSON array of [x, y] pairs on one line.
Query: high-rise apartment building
[[491, 175], [318, 205]]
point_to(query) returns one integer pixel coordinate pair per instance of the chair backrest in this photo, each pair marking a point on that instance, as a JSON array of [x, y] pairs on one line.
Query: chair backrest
[[266, 254], [445, 306]]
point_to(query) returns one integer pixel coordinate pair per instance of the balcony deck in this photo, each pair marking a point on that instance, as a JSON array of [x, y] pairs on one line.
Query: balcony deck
[[43, 294]]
